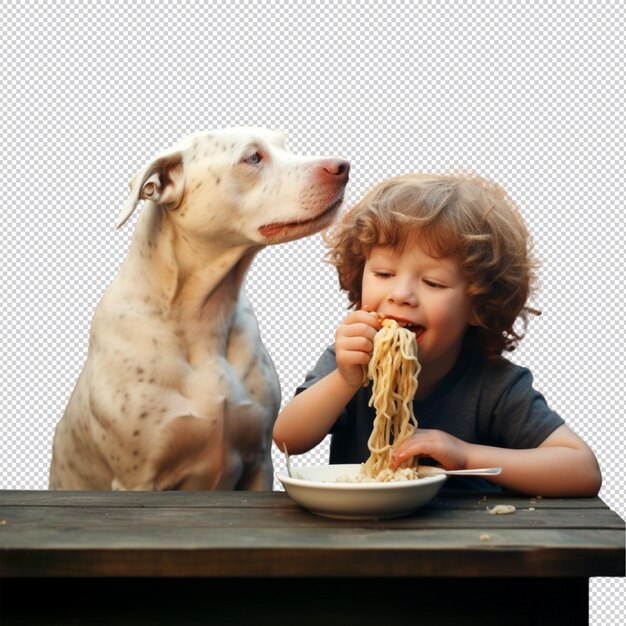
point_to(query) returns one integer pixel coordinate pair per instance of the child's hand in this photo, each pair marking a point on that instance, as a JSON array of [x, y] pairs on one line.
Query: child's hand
[[449, 451], [354, 343]]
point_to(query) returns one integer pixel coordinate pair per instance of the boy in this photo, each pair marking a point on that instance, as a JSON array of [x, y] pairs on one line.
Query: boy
[[449, 256]]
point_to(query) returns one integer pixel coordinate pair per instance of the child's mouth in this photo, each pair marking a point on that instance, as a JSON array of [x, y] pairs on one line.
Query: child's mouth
[[417, 330], [414, 328]]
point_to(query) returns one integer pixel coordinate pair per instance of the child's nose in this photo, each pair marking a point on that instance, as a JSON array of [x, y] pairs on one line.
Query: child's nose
[[403, 294]]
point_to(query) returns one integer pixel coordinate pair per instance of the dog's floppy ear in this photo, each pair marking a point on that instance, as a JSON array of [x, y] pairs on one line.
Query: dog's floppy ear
[[162, 181]]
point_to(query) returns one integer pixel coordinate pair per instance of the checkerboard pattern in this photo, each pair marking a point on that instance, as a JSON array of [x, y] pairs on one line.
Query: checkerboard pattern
[[530, 94]]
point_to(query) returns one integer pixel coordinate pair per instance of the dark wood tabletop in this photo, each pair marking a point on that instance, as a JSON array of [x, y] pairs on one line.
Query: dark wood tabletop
[[257, 538]]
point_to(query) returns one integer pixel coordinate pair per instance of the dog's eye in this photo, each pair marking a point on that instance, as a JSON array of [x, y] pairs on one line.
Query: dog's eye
[[254, 159]]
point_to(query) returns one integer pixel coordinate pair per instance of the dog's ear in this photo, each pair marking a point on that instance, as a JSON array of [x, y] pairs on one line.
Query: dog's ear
[[162, 181]]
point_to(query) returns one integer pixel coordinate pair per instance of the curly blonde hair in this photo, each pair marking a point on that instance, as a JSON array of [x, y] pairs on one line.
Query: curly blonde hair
[[464, 216]]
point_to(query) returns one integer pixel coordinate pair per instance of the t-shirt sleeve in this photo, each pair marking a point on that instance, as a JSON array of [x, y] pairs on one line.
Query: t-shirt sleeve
[[324, 366], [521, 417]]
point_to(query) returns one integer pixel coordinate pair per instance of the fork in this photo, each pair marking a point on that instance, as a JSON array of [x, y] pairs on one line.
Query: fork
[[429, 470], [286, 453]]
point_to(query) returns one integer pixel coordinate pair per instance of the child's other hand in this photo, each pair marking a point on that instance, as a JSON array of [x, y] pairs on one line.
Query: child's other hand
[[449, 451], [354, 343]]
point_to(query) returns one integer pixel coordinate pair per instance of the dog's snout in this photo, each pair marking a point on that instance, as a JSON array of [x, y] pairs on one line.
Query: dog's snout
[[338, 168]]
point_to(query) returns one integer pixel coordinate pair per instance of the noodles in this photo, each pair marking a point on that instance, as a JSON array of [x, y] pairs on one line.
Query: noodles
[[393, 370]]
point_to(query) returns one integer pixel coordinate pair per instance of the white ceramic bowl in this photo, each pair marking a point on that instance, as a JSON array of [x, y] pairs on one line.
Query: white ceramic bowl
[[316, 489]]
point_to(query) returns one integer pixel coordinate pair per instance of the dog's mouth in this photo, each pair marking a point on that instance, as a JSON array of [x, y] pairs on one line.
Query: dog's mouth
[[271, 230]]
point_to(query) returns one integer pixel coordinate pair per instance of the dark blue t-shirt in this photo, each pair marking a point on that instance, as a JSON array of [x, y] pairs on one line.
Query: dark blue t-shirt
[[493, 404]]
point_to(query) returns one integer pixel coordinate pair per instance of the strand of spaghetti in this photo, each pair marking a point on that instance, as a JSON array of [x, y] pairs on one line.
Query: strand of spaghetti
[[393, 370]]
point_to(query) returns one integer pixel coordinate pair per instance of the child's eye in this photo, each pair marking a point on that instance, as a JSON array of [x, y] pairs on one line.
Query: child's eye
[[434, 285], [383, 274]]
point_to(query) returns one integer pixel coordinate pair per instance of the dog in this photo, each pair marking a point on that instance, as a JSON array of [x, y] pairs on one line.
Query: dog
[[178, 391]]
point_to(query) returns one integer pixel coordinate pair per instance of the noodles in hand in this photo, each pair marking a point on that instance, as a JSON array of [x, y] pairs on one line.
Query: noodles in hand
[[393, 370]]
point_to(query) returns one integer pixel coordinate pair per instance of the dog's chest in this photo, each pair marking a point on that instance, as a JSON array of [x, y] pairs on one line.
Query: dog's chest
[[237, 371]]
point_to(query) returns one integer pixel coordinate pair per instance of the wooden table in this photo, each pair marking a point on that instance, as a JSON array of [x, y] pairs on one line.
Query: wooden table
[[172, 558]]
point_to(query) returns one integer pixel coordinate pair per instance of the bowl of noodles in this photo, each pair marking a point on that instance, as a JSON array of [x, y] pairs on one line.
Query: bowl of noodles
[[371, 490], [339, 491]]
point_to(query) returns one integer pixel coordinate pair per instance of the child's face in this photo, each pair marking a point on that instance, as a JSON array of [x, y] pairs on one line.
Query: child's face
[[428, 293]]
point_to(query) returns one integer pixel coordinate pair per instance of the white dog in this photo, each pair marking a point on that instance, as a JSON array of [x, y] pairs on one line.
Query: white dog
[[178, 391]]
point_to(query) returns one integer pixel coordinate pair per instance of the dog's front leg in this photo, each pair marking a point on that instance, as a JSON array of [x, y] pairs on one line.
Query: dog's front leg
[[192, 455], [261, 479]]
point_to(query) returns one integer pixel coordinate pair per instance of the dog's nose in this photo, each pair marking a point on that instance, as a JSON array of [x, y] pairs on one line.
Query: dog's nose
[[337, 168]]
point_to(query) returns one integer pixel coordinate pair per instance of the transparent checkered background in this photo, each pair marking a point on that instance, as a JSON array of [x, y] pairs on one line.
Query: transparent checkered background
[[531, 94]]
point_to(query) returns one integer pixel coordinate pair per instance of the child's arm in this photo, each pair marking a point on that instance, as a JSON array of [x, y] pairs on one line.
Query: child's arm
[[563, 465], [310, 415]]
